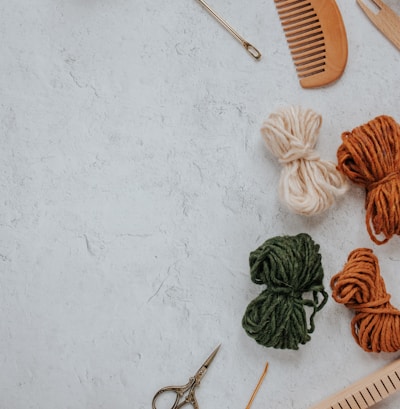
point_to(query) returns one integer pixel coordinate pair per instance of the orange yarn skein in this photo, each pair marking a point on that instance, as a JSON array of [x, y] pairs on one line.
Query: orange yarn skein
[[370, 157], [360, 287]]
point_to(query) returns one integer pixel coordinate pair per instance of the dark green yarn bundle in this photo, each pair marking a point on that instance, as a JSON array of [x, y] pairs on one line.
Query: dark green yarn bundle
[[290, 267]]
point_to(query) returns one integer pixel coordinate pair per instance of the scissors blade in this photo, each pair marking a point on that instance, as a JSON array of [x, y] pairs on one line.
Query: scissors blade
[[386, 20], [203, 369]]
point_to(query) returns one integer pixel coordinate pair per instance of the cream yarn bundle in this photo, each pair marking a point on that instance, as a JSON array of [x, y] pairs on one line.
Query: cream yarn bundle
[[308, 185]]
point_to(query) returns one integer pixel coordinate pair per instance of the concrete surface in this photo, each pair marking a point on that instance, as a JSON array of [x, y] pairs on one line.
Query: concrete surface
[[134, 184]]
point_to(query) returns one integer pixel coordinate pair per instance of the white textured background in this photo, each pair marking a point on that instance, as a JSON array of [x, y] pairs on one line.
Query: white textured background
[[134, 184]]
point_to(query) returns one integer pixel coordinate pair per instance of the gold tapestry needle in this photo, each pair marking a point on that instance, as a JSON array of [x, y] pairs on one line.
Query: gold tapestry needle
[[258, 386], [249, 47]]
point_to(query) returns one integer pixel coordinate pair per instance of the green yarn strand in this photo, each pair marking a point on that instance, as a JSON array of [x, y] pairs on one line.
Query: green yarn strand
[[290, 267]]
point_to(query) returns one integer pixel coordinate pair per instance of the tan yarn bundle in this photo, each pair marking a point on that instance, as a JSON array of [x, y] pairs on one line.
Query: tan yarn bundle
[[308, 185]]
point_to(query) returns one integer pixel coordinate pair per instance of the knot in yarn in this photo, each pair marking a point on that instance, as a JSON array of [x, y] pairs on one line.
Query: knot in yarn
[[370, 157], [386, 179], [289, 266], [298, 151], [308, 185], [361, 288]]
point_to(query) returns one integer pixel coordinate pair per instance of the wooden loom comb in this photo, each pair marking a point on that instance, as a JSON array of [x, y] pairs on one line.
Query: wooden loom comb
[[317, 39], [367, 391]]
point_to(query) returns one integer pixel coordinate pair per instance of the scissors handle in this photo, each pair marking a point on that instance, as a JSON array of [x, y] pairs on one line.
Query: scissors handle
[[188, 389], [180, 391], [167, 389]]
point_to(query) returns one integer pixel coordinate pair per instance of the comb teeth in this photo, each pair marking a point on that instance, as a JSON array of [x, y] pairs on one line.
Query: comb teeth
[[304, 34], [317, 39]]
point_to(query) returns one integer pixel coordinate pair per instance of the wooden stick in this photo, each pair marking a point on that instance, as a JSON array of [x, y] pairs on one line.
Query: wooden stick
[[258, 386]]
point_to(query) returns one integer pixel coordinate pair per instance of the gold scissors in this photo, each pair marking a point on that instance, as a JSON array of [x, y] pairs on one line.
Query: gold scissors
[[189, 388]]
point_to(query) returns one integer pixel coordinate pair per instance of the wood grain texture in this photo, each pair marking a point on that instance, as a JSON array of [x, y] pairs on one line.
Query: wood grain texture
[[317, 39], [386, 20]]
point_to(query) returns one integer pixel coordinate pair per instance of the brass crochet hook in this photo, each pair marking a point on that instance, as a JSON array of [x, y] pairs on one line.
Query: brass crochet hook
[[249, 47]]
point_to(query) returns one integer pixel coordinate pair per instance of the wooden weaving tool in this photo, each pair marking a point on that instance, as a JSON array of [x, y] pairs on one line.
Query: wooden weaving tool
[[386, 20], [367, 391]]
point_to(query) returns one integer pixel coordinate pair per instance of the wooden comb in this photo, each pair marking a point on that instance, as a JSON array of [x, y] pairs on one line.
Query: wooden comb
[[317, 39]]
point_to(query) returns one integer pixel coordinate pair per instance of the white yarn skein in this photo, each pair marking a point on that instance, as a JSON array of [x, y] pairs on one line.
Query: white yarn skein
[[308, 185]]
